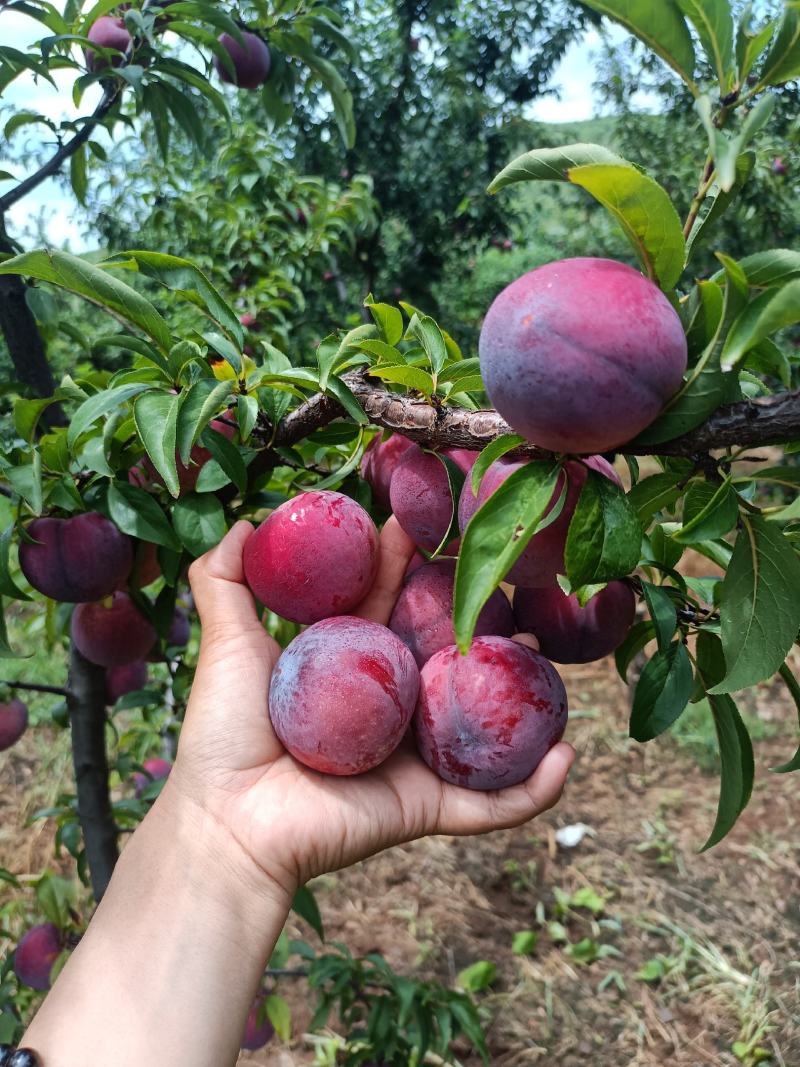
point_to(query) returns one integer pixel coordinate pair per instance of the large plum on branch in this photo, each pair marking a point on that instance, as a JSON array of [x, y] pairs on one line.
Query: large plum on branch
[[313, 557], [568, 633], [423, 614], [112, 632], [379, 463], [153, 770], [486, 720], [250, 58], [13, 722], [342, 695], [76, 560], [258, 1030], [36, 953], [107, 32], [128, 678], [582, 354], [420, 494], [542, 558]]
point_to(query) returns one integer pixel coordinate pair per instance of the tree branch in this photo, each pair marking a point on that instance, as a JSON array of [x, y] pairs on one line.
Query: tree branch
[[765, 420], [36, 688]]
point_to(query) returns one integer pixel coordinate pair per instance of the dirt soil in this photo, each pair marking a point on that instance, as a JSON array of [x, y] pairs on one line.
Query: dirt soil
[[722, 927]]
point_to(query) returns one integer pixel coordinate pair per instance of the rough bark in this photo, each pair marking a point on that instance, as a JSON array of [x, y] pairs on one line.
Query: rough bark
[[87, 712]]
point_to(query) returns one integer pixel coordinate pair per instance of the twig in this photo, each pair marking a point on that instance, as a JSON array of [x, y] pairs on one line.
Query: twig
[[36, 687]]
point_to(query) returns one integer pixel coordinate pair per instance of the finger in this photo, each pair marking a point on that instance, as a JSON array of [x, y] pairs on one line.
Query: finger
[[220, 592], [468, 811], [396, 550], [527, 639]]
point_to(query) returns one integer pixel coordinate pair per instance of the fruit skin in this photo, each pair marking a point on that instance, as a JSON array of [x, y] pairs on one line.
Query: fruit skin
[[256, 1034], [542, 559], [420, 494], [112, 636], [342, 695], [379, 463], [36, 953], [251, 61], [107, 32], [13, 722], [79, 559], [581, 355], [568, 633], [313, 557], [157, 769], [128, 678], [423, 614], [486, 720], [146, 568], [248, 320], [146, 476], [180, 629]]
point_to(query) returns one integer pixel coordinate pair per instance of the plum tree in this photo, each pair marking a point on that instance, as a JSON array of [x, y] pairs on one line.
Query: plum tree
[[420, 494], [486, 720], [112, 632], [342, 695], [155, 769], [379, 463], [258, 1030], [37, 951], [13, 722], [145, 475], [568, 633], [107, 32], [128, 678], [76, 560], [423, 614], [543, 557], [314, 556], [582, 354], [250, 58]]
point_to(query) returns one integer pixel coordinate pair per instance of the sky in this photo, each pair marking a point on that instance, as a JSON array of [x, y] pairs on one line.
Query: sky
[[575, 101]]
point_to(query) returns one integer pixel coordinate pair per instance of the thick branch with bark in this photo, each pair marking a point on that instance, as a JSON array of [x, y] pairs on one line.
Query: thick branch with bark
[[87, 713], [763, 421]]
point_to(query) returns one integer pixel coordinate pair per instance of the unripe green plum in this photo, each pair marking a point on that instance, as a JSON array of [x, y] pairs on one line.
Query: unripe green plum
[[582, 354]]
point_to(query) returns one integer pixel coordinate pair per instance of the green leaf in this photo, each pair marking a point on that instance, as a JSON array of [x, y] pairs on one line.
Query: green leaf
[[794, 691], [714, 24], [653, 494], [768, 359], [83, 278], [782, 61], [8, 586], [495, 538], [492, 452], [427, 332], [477, 976], [411, 377], [156, 417], [662, 611], [101, 404], [205, 399], [771, 311], [26, 480], [345, 397], [640, 205], [708, 512], [136, 512], [304, 903], [759, 605], [524, 943], [721, 201], [280, 1015], [749, 46], [640, 634], [77, 174], [388, 319], [660, 25], [662, 692], [775, 267], [604, 535], [199, 521], [227, 456]]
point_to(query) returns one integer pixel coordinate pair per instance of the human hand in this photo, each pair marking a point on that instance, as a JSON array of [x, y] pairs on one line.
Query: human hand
[[293, 822]]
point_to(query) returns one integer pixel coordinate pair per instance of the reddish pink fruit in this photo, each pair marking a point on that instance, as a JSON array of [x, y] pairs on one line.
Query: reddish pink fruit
[[107, 32], [251, 61], [568, 633], [328, 276], [146, 568], [420, 494], [113, 633], [342, 695], [13, 722], [508, 244], [313, 557], [36, 953], [146, 476], [581, 355], [248, 320], [128, 678], [379, 462], [258, 1029], [779, 166], [543, 557], [486, 720], [76, 560], [180, 629], [156, 770], [423, 614]]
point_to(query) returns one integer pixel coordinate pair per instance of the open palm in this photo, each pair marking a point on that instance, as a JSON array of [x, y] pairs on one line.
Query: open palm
[[293, 821]]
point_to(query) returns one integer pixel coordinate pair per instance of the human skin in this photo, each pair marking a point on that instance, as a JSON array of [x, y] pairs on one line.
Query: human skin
[[582, 354], [208, 877]]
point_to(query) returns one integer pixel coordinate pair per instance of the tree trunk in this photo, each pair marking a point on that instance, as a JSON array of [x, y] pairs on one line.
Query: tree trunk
[[87, 712], [24, 341]]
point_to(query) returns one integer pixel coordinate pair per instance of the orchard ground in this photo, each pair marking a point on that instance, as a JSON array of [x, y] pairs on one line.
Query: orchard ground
[[723, 925]]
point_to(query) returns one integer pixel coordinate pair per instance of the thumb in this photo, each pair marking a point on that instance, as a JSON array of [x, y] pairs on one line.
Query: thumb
[[223, 600]]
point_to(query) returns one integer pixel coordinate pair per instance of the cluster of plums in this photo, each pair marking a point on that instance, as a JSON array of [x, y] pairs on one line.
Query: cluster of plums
[[249, 58]]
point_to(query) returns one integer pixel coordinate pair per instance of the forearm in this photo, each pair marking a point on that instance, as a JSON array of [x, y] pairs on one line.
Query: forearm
[[171, 960]]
